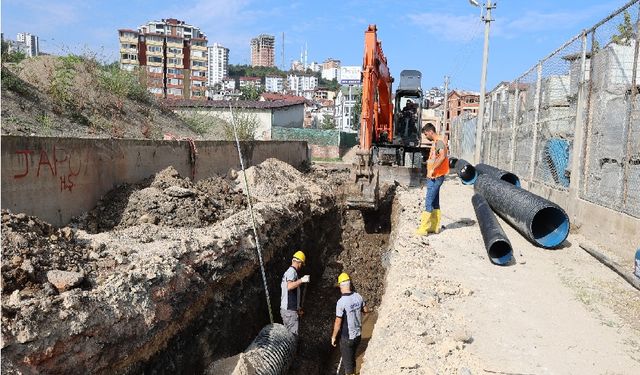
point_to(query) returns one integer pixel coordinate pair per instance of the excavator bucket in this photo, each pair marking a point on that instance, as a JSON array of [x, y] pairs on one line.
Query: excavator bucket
[[364, 191]]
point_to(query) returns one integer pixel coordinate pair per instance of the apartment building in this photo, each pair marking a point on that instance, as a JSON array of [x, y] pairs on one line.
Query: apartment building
[[263, 50], [31, 43], [302, 85], [218, 67], [274, 84], [171, 56], [460, 102], [250, 82]]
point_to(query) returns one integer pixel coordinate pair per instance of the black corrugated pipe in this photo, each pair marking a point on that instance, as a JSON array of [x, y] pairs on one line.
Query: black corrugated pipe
[[452, 162], [542, 222], [498, 173], [466, 172], [495, 240], [272, 351]]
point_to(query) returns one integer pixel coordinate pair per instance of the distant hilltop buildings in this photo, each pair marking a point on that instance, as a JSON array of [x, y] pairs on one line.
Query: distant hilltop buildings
[[26, 43]]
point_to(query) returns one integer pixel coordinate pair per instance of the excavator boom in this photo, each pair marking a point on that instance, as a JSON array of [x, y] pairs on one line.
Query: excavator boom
[[376, 125]]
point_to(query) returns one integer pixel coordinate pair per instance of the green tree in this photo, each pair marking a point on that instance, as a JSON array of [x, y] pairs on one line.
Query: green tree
[[251, 92], [327, 122], [625, 34], [356, 112], [11, 57]]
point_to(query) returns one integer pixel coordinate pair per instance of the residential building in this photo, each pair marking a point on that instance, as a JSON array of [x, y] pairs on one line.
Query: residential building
[[274, 84], [323, 93], [315, 67], [218, 64], [170, 54], [270, 114], [31, 43], [330, 63], [435, 96], [297, 66], [344, 103], [330, 74], [263, 50], [302, 85], [460, 102], [250, 81], [229, 84]]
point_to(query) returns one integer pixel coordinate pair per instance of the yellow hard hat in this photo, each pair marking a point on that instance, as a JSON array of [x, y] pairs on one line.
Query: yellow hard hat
[[299, 255], [342, 278]]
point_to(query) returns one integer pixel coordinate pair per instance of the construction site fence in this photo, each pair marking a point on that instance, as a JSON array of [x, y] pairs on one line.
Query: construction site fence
[[572, 121], [317, 137]]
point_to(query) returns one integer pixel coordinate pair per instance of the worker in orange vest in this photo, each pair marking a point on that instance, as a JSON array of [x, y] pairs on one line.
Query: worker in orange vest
[[437, 168]]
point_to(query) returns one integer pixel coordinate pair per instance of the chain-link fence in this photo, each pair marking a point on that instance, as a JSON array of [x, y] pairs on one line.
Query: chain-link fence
[[581, 102], [463, 136]]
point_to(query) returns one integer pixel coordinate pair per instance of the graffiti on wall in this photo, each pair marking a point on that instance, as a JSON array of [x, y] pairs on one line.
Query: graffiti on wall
[[60, 164]]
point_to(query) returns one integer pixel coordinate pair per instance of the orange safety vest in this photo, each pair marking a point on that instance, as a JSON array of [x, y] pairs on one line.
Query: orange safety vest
[[443, 168]]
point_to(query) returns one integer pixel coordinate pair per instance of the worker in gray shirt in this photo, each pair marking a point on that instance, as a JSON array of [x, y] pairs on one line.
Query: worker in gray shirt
[[290, 297], [349, 311]]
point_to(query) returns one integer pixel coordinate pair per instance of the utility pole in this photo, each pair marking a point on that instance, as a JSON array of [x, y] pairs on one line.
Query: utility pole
[[443, 123], [483, 80]]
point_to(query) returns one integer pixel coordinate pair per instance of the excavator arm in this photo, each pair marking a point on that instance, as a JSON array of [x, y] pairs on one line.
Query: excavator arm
[[376, 124]]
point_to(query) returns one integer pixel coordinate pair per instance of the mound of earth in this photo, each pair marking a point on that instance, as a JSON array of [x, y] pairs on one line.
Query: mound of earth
[[165, 199], [77, 97], [31, 248]]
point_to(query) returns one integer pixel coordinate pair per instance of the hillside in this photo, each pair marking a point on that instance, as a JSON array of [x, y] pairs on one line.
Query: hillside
[[75, 96]]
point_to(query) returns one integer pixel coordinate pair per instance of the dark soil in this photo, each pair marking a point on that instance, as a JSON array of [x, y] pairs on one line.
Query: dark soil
[[166, 199]]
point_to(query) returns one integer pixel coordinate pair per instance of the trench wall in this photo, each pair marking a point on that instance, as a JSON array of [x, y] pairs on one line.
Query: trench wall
[[59, 178]]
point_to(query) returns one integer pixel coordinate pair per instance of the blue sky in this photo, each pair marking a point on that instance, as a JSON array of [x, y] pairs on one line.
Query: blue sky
[[437, 37]]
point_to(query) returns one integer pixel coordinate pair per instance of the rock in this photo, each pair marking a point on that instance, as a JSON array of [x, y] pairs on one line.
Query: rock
[[14, 299], [148, 219], [19, 240], [21, 216], [94, 256], [179, 192], [27, 267], [232, 174], [462, 336], [464, 371], [64, 280], [49, 289], [67, 233], [16, 261], [53, 237]]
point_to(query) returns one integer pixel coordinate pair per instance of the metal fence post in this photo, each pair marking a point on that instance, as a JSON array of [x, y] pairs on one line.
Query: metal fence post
[[632, 109], [489, 132], [579, 129], [514, 121], [536, 115]]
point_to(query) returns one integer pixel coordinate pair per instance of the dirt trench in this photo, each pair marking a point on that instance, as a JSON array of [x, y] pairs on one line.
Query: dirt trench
[[172, 282]]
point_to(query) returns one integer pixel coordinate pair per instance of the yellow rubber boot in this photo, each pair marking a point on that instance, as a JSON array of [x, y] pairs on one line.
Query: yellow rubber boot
[[435, 221], [425, 223]]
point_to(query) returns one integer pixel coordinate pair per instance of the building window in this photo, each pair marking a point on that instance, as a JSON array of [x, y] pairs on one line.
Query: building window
[[175, 50], [129, 56], [154, 49], [198, 54], [198, 73], [128, 46], [174, 71], [174, 61], [154, 69], [155, 90], [127, 67], [173, 91], [196, 93], [154, 59], [174, 81], [199, 63]]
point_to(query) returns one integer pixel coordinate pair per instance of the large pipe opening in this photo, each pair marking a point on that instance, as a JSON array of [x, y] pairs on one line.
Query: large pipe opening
[[500, 252], [511, 178], [466, 172], [550, 227]]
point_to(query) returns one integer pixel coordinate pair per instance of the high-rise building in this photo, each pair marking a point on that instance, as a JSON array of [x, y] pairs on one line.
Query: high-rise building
[[331, 64], [31, 42], [218, 64], [274, 84], [302, 85], [263, 50], [170, 54]]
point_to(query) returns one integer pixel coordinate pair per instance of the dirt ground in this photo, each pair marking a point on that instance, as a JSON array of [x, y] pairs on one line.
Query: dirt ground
[[448, 310]]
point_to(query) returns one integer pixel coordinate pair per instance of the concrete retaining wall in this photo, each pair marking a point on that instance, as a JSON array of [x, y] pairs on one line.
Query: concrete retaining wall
[[58, 178]]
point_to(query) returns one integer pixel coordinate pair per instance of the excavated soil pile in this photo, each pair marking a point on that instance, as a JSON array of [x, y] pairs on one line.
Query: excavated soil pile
[[31, 248], [165, 295], [166, 199]]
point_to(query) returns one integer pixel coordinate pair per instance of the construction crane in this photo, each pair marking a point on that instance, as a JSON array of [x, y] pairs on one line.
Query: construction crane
[[386, 138]]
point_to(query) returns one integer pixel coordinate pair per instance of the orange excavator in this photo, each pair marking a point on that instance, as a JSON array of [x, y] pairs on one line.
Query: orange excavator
[[386, 138]]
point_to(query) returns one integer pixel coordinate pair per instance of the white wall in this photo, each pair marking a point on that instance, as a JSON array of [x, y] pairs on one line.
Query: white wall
[[289, 117]]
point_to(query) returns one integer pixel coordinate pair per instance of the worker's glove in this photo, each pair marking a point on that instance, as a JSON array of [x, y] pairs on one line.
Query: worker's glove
[[305, 278]]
